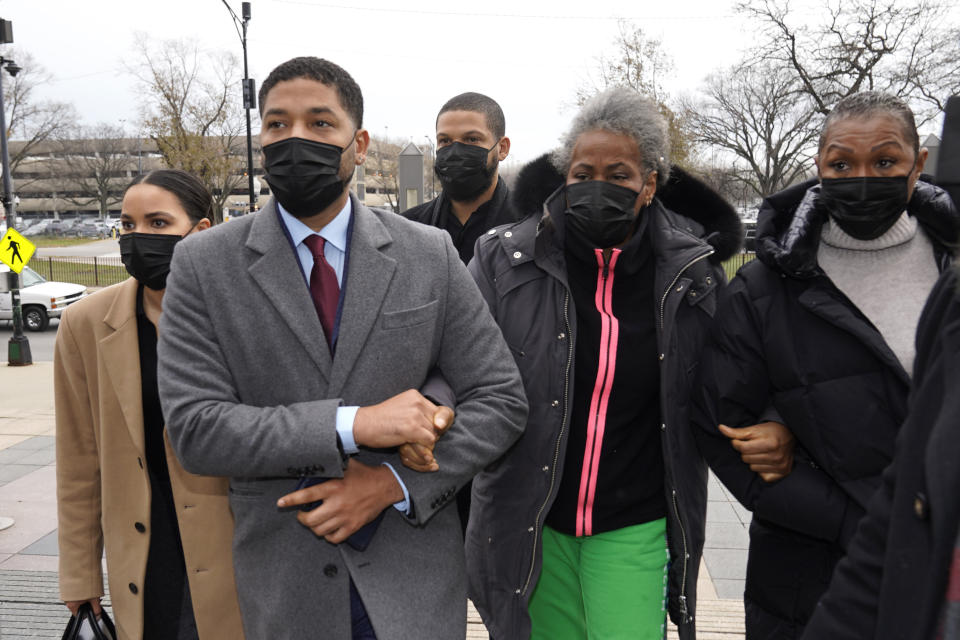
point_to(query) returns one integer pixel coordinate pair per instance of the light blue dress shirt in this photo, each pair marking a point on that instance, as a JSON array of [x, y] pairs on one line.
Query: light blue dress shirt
[[335, 252]]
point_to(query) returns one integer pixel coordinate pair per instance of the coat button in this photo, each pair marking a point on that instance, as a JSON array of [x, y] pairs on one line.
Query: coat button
[[330, 570], [133, 588], [508, 234], [491, 232], [708, 280], [920, 506], [562, 336], [139, 527], [517, 255], [661, 357], [555, 404]]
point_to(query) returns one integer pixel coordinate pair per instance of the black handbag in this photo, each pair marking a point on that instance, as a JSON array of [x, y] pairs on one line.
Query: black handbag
[[87, 626]]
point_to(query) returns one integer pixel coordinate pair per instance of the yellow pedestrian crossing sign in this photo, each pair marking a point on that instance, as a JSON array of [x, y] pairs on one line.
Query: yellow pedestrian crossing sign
[[15, 250]]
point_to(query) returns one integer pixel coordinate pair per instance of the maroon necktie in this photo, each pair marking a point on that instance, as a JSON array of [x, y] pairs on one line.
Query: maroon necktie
[[325, 291], [324, 288]]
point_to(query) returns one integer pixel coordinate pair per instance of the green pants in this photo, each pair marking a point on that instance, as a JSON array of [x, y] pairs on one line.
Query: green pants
[[604, 587]]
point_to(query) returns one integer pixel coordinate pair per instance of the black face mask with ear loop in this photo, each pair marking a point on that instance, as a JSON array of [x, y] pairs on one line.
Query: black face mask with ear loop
[[865, 208], [304, 175], [463, 170], [147, 256], [600, 212]]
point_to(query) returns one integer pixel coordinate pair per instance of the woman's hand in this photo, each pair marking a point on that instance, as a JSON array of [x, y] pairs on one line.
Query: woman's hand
[[74, 605], [767, 447]]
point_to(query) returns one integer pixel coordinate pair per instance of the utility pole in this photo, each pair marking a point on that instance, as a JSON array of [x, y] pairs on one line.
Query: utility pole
[[249, 90], [18, 348]]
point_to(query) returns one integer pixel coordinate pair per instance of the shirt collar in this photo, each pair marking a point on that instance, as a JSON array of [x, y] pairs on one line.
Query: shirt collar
[[335, 232]]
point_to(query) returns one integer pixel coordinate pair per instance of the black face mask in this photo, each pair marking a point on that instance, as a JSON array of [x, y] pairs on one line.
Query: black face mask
[[865, 208], [463, 171], [147, 257], [304, 175], [600, 212]]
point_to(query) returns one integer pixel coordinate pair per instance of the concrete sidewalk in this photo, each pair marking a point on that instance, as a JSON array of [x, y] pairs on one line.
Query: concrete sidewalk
[[29, 602]]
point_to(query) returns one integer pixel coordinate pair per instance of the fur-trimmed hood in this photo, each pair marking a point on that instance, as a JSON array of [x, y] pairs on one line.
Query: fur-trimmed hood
[[683, 194], [789, 223]]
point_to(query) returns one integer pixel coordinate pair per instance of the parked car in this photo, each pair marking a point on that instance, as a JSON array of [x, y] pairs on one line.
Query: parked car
[[39, 300], [750, 236], [37, 228], [91, 229], [55, 227]]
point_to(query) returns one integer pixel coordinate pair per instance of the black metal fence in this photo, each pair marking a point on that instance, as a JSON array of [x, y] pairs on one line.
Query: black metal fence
[[732, 265], [92, 272]]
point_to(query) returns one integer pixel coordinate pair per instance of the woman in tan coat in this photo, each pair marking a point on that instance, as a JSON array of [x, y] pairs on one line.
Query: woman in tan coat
[[167, 533]]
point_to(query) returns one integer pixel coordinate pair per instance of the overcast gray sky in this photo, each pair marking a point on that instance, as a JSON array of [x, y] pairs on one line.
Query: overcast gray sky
[[409, 57]]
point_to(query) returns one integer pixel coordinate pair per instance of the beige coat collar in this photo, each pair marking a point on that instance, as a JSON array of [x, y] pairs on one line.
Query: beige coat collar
[[119, 352]]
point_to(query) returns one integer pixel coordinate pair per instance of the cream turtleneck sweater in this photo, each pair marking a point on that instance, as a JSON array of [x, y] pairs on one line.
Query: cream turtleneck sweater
[[888, 278]]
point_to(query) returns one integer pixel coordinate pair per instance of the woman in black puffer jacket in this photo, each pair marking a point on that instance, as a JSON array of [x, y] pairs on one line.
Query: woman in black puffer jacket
[[817, 335]]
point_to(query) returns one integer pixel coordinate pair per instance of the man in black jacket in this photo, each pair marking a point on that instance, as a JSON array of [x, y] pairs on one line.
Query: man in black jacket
[[471, 144]]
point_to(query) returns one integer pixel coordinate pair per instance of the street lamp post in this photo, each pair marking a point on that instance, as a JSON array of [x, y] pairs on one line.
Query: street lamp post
[[249, 92], [433, 160], [18, 348]]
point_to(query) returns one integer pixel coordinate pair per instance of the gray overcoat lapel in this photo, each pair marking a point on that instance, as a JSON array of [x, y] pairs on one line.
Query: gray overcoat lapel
[[369, 273], [276, 271]]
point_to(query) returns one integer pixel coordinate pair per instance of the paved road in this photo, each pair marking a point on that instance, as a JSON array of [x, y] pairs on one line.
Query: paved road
[[98, 248], [41, 342]]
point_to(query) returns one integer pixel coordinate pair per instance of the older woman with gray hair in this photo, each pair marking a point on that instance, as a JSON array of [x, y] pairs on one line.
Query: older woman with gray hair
[[594, 520]]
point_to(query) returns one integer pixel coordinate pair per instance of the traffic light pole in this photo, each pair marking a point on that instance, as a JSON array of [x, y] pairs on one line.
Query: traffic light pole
[[249, 91], [18, 348]]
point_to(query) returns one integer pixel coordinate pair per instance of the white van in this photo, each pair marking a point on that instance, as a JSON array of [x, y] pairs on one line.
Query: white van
[[39, 300]]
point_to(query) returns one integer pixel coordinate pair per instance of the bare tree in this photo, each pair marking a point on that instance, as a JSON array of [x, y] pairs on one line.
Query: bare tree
[[726, 180], [96, 166], [30, 120], [641, 64], [762, 119], [381, 168], [906, 48], [191, 108]]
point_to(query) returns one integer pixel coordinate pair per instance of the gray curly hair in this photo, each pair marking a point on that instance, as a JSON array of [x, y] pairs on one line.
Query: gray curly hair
[[621, 110]]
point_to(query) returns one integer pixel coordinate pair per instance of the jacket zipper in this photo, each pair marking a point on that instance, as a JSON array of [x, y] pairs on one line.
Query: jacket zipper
[[676, 507], [556, 451], [602, 389], [683, 579]]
